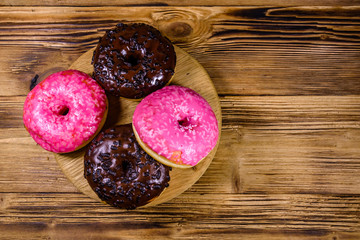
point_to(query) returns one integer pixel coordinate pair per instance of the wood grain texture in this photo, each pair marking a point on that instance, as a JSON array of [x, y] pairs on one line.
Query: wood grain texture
[[161, 3], [227, 216], [288, 163], [268, 144], [302, 50]]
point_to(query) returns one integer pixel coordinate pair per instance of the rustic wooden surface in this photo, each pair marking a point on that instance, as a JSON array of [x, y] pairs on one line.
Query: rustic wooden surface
[[288, 78]]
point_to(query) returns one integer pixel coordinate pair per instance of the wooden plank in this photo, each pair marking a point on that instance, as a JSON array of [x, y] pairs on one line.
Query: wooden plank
[[190, 215], [274, 51], [137, 3], [292, 144], [269, 145]]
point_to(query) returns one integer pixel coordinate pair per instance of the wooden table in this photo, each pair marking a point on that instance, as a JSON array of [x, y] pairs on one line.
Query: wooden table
[[288, 78]]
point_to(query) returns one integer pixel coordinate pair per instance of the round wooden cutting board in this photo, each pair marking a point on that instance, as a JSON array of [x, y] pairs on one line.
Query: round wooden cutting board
[[188, 73]]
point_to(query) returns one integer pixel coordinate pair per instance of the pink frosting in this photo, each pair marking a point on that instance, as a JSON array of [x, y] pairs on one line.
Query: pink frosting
[[64, 111], [177, 123]]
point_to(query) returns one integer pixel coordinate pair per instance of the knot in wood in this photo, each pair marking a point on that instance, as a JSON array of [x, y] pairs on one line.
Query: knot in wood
[[178, 30]]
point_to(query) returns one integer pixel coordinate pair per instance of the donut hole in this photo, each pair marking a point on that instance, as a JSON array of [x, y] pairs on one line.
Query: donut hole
[[132, 60], [64, 110], [186, 123], [129, 172], [126, 166]]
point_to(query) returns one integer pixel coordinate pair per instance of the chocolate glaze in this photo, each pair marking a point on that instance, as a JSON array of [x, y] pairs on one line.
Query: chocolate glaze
[[133, 60], [120, 172]]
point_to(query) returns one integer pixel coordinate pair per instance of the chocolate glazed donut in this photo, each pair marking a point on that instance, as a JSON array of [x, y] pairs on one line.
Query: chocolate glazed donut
[[120, 172], [133, 60]]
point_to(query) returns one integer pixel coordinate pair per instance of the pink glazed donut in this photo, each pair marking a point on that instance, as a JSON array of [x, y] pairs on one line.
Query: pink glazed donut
[[176, 126], [65, 111]]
